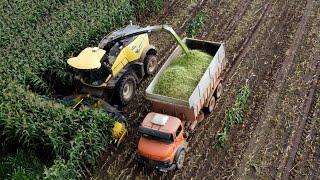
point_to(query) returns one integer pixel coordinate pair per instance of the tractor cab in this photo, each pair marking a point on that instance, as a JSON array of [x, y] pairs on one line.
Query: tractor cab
[[114, 41], [162, 143]]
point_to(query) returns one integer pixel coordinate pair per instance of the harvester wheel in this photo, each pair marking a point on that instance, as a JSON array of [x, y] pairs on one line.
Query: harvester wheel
[[180, 159], [126, 89], [150, 64], [219, 90]]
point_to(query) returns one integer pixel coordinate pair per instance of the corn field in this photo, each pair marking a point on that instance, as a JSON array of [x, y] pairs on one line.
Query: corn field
[[36, 39]]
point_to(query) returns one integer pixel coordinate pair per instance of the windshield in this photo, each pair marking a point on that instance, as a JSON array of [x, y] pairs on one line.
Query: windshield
[[96, 76], [157, 135]]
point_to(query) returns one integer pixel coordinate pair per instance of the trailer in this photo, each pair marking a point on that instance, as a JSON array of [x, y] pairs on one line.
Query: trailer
[[164, 132]]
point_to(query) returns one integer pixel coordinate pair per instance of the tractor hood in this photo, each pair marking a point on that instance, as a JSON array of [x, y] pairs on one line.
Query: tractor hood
[[155, 150], [88, 59]]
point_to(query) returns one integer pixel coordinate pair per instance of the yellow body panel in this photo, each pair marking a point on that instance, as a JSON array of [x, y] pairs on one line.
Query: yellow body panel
[[130, 53], [89, 58]]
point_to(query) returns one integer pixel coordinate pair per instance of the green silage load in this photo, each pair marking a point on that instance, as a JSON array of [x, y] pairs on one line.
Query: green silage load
[[183, 75]]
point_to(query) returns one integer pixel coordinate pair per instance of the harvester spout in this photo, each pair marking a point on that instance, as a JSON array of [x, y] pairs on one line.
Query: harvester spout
[[169, 30], [176, 37], [149, 29]]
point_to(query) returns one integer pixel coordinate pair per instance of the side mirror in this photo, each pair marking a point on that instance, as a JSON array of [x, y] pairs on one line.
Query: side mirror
[[185, 135]]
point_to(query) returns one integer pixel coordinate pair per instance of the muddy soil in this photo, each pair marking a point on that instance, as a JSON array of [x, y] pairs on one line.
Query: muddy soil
[[271, 44]]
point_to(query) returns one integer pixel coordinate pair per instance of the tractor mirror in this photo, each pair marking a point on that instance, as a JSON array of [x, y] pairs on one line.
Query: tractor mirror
[[185, 135]]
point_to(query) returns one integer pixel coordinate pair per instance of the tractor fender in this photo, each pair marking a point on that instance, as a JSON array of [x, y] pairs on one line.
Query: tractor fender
[[149, 49]]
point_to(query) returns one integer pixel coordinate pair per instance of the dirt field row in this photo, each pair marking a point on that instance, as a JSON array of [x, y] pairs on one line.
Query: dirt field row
[[274, 45]]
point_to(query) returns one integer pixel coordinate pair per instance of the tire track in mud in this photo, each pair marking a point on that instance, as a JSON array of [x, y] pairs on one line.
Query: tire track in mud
[[233, 65], [305, 129], [300, 145], [224, 33], [274, 67], [263, 129], [235, 20], [253, 29]]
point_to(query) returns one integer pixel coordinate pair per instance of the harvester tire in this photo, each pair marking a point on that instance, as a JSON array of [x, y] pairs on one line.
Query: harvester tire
[[126, 89], [179, 159], [150, 64]]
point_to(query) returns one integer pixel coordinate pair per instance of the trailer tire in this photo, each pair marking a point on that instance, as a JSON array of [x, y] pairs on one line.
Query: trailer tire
[[125, 89], [179, 158], [211, 105], [219, 90], [150, 64]]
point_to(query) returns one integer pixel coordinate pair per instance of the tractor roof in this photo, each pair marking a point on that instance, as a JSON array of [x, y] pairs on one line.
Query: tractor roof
[[89, 58], [112, 37], [125, 30], [161, 122]]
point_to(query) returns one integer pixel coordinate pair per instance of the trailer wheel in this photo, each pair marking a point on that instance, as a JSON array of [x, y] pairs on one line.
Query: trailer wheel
[[126, 89], [150, 64], [180, 158], [219, 90], [211, 105]]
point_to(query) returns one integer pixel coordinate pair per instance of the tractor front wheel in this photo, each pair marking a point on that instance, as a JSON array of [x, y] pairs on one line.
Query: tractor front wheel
[[150, 64], [126, 89], [180, 159]]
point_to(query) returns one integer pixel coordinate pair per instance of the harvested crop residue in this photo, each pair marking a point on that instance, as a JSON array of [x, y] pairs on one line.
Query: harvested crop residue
[[183, 75]]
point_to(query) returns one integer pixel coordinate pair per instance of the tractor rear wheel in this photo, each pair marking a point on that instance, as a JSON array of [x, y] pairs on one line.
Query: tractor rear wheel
[[150, 64], [126, 89]]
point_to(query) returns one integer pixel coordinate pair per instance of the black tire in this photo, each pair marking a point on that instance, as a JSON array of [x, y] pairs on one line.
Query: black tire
[[125, 89], [140, 161], [179, 158], [150, 64]]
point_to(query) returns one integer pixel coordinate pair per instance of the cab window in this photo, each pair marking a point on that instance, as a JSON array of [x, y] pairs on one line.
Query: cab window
[[178, 131]]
